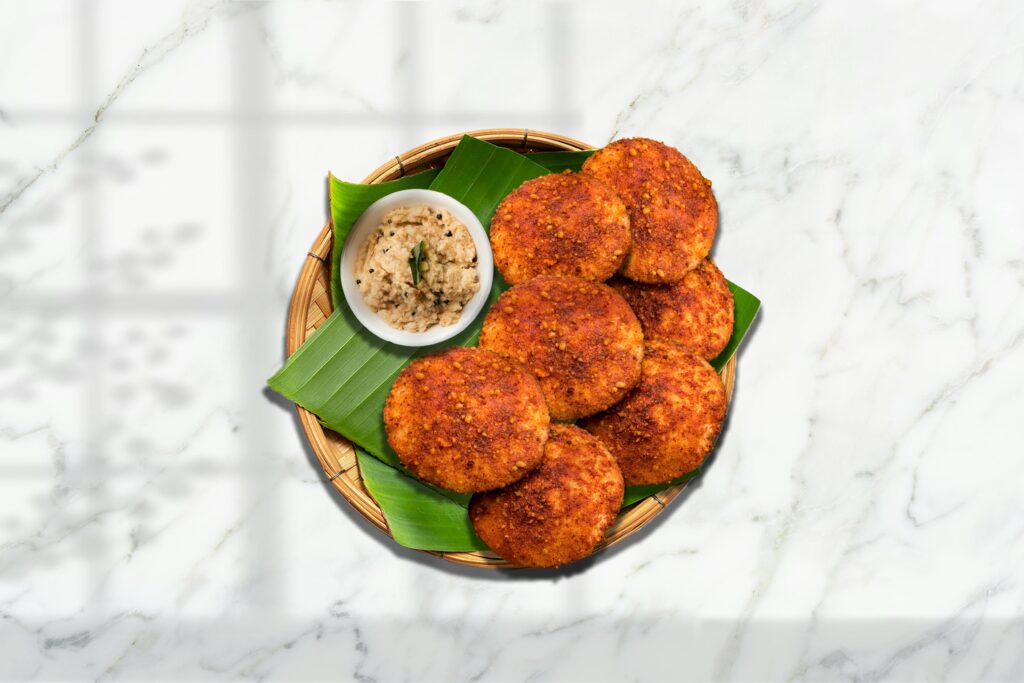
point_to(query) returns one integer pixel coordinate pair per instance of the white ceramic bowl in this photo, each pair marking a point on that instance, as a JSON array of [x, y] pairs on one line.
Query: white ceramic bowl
[[365, 225]]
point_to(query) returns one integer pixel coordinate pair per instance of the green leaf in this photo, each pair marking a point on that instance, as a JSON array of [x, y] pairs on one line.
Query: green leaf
[[418, 516], [480, 174], [637, 493], [349, 200], [414, 262], [746, 306], [560, 161]]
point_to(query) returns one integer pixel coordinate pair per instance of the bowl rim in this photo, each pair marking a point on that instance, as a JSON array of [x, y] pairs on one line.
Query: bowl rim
[[368, 222]]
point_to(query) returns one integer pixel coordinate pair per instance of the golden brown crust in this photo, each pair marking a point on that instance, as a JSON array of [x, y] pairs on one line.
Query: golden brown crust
[[560, 224], [466, 419], [580, 339], [666, 426], [673, 214], [696, 312], [559, 512]]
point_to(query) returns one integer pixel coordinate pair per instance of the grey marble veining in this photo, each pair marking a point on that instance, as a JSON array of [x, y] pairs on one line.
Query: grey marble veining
[[162, 177]]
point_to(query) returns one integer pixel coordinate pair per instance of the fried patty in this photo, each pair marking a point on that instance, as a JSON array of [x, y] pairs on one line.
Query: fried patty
[[466, 420], [672, 212], [666, 426], [560, 224], [559, 512], [696, 312], [580, 339]]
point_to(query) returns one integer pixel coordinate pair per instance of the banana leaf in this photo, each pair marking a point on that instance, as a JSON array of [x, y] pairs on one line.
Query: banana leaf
[[418, 515], [635, 494], [343, 373], [480, 174], [745, 306], [349, 200], [560, 161]]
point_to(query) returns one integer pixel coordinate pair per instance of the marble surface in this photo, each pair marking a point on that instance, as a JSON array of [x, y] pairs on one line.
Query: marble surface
[[162, 175]]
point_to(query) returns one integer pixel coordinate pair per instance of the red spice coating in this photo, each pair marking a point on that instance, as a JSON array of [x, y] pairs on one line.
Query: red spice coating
[[560, 224], [559, 512], [696, 312], [672, 212], [466, 419], [666, 426], [580, 339]]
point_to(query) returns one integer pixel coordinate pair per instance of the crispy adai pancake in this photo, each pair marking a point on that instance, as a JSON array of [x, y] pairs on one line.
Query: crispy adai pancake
[[466, 420], [560, 511], [696, 312], [666, 426], [580, 339], [673, 214], [560, 224]]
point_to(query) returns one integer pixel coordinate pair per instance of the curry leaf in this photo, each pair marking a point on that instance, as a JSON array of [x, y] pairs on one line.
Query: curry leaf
[[414, 262]]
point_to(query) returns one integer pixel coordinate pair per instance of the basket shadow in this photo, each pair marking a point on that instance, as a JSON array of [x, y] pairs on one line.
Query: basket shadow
[[419, 557], [693, 485], [568, 571], [636, 537], [338, 500]]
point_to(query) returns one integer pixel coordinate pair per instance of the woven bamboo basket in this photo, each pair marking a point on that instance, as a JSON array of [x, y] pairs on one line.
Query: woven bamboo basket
[[311, 305]]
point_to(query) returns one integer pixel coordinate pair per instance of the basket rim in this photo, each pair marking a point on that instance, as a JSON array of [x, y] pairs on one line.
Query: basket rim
[[343, 475]]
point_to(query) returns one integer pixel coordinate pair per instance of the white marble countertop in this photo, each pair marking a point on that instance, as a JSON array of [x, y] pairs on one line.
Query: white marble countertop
[[162, 175]]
